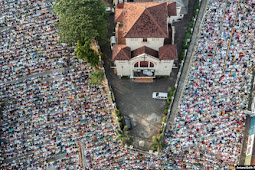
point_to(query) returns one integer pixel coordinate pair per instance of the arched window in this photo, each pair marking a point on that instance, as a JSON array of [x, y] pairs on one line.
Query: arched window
[[144, 64], [136, 64], [151, 64]]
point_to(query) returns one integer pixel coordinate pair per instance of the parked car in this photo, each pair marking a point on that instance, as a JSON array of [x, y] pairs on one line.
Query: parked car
[[159, 95], [113, 41], [110, 10], [127, 122]]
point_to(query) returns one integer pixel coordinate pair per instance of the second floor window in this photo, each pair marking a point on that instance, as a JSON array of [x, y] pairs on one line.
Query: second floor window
[[144, 39]]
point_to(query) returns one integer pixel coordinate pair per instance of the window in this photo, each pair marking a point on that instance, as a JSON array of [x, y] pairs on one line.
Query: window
[[144, 64], [151, 64], [136, 64], [144, 39]]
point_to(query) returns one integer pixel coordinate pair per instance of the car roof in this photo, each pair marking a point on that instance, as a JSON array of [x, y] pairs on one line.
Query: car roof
[[162, 94]]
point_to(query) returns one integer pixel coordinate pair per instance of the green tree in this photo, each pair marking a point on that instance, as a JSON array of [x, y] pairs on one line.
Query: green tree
[[84, 20], [84, 52], [157, 144], [97, 77], [124, 136]]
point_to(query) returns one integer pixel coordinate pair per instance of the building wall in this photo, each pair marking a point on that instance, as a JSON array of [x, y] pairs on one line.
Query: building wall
[[122, 67], [154, 43], [162, 68]]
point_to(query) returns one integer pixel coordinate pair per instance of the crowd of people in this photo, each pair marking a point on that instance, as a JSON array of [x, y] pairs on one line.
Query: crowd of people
[[211, 117], [51, 115], [49, 109]]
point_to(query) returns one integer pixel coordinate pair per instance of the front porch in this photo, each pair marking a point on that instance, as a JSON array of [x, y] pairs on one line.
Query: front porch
[[144, 73]]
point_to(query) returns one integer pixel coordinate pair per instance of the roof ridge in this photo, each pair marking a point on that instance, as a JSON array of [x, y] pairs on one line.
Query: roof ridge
[[154, 20], [127, 31]]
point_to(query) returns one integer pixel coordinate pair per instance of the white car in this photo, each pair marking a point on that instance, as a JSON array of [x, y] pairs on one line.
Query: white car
[[113, 41], [110, 10], [159, 95]]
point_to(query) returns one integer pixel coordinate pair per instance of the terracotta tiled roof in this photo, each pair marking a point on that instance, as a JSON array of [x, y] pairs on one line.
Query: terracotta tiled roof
[[168, 52], [171, 7], [145, 50], [118, 15], [144, 20], [121, 52], [120, 39]]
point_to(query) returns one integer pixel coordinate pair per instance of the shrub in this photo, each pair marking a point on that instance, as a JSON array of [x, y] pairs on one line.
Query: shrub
[[169, 100], [173, 88], [186, 46], [188, 35], [171, 93], [182, 55], [164, 119], [120, 123], [161, 129], [120, 118], [166, 110], [191, 25], [117, 112]]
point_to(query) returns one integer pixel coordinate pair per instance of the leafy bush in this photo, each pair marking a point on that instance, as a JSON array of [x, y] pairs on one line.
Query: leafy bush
[[182, 55], [188, 35], [117, 112], [169, 100], [120, 123], [164, 119], [161, 129], [120, 118], [186, 46], [166, 110], [171, 93], [191, 24]]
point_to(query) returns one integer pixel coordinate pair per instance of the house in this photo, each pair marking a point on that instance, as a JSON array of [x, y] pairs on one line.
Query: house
[[145, 38]]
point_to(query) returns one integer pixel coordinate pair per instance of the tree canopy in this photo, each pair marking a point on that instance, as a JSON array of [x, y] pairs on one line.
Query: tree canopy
[[83, 20], [157, 143], [84, 52], [124, 136]]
